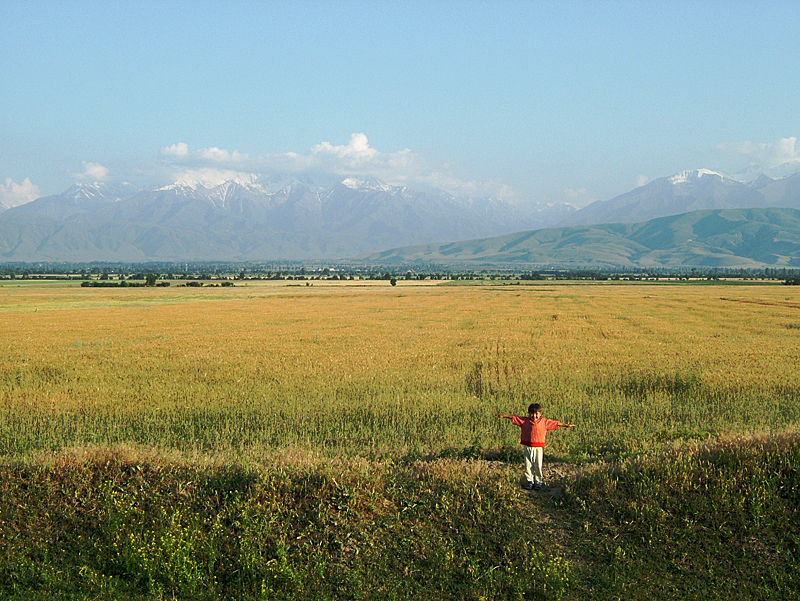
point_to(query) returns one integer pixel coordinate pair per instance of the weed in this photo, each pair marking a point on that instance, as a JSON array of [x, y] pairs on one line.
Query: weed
[[706, 514]]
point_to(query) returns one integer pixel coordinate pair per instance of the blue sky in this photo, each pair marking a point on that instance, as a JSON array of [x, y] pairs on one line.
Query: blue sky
[[539, 101]]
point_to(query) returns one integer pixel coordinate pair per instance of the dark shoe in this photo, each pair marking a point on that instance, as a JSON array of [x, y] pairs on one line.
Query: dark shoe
[[537, 486], [529, 486]]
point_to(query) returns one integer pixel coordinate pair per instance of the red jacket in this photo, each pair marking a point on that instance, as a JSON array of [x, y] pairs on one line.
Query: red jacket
[[534, 431]]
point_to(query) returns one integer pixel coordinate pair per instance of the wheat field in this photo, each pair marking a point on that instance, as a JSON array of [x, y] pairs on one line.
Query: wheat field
[[267, 370]]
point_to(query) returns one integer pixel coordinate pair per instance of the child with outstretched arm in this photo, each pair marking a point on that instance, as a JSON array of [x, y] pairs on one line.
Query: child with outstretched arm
[[534, 429]]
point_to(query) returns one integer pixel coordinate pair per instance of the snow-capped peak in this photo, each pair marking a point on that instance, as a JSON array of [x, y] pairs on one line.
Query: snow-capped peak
[[752, 173], [199, 179], [369, 183], [101, 191], [180, 184], [692, 175]]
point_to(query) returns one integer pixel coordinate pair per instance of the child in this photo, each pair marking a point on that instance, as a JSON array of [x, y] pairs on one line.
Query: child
[[534, 429]]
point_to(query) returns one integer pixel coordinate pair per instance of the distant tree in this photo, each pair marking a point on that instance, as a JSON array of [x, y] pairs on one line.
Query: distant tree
[[150, 279], [393, 281]]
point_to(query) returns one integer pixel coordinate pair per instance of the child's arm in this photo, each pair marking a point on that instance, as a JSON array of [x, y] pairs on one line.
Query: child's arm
[[505, 416], [565, 425]]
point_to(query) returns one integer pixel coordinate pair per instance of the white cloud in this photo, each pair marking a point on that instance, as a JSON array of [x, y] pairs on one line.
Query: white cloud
[[211, 166], [93, 172], [207, 167], [13, 194], [358, 147], [214, 154], [401, 168], [181, 149], [641, 181], [180, 152], [218, 155], [765, 155], [209, 177]]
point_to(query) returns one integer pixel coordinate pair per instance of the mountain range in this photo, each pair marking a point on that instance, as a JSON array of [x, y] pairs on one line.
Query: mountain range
[[687, 191], [287, 218], [280, 219], [721, 238]]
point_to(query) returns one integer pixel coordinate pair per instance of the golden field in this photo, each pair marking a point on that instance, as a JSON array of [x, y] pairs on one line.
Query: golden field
[[265, 369]]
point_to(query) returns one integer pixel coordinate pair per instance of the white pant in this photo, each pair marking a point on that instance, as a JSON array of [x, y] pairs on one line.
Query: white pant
[[533, 463]]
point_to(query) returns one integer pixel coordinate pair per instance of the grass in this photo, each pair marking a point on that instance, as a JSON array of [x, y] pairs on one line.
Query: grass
[[112, 526], [340, 442], [376, 370], [715, 521]]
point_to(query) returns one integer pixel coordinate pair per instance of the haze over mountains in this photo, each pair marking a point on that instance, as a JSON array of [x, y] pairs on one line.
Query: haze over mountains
[[286, 218], [687, 191], [280, 218]]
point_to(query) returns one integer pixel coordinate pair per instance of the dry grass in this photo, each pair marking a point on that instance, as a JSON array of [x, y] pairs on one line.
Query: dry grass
[[372, 369]]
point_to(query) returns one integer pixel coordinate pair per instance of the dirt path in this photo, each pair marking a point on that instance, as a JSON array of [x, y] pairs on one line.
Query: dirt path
[[563, 531]]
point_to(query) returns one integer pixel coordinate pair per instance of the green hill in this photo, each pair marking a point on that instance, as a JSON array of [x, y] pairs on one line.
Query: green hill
[[734, 238]]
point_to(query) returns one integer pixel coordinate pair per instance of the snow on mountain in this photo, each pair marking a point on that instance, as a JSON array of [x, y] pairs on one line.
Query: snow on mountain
[[369, 183], [692, 190], [280, 217], [692, 176], [303, 217], [756, 172], [783, 171], [181, 184], [79, 198], [100, 191]]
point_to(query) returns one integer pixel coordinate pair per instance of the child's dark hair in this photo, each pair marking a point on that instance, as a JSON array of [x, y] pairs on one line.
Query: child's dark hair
[[534, 407]]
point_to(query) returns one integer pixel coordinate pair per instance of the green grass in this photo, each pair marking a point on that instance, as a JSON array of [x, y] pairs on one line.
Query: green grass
[[107, 526], [711, 522], [716, 521]]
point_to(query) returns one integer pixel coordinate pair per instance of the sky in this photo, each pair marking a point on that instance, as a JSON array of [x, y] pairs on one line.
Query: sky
[[535, 101]]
